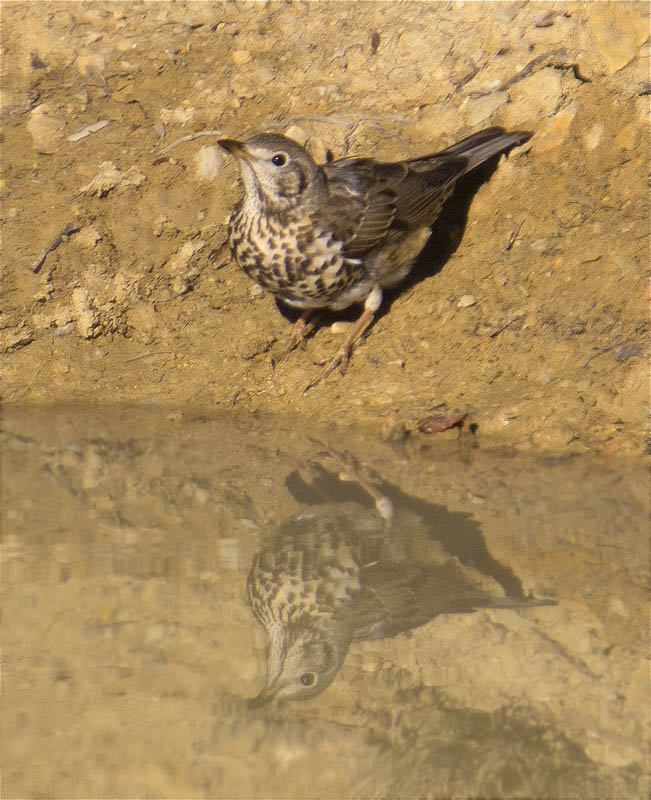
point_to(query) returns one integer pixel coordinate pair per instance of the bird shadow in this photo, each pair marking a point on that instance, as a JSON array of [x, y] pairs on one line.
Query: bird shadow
[[447, 232], [449, 228]]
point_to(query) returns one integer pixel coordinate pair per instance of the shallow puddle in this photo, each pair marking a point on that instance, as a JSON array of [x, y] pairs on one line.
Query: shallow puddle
[[452, 621]]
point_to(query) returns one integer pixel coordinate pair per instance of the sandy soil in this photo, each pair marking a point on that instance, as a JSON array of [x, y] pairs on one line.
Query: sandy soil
[[541, 344]]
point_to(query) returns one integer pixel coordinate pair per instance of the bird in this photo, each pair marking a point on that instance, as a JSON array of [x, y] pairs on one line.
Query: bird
[[337, 234], [337, 572]]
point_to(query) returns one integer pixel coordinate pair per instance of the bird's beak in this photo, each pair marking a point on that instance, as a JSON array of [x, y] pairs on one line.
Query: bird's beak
[[235, 148], [265, 696]]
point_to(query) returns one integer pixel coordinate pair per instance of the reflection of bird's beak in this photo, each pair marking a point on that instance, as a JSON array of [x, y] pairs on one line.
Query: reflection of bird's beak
[[265, 696], [235, 148]]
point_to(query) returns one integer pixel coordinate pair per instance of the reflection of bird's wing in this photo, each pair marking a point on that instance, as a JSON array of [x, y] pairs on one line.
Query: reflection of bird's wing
[[399, 597], [387, 603]]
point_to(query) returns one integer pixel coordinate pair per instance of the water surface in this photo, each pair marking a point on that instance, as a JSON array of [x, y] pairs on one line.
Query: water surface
[[131, 651]]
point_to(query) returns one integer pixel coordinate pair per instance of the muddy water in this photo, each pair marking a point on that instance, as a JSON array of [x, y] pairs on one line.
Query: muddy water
[[131, 651]]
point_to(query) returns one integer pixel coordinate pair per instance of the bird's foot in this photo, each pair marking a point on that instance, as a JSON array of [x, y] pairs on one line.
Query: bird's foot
[[342, 356], [300, 331], [340, 359]]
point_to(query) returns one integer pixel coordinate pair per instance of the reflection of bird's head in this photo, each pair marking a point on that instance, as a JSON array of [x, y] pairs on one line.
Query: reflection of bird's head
[[304, 664]]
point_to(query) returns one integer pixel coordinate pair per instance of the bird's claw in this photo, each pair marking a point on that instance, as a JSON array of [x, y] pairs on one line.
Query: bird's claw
[[292, 344], [340, 359], [298, 337]]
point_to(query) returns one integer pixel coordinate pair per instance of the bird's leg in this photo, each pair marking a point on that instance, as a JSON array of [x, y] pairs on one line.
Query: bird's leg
[[342, 356], [300, 330], [350, 470], [353, 472]]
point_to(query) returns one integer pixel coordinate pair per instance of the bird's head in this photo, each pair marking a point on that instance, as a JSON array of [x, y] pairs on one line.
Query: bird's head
[[277, 172], [303, 665]]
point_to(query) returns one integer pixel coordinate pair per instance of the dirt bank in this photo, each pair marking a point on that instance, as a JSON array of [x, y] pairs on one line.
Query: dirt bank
[[541, 342]]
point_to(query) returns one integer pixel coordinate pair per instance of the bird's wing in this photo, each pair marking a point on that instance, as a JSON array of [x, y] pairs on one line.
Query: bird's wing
[[375, 201], [422, 192], [387, 603], [398, 597], [363, 202], [430, 179]]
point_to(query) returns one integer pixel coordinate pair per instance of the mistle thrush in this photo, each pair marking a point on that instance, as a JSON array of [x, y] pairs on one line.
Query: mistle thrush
[[337, 234]]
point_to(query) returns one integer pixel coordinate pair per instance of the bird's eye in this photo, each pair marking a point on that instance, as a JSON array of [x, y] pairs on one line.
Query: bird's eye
[[279, 160], [308, 679]]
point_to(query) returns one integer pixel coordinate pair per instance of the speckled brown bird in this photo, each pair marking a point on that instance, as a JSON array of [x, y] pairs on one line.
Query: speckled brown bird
[[336, 234], [339, 572]]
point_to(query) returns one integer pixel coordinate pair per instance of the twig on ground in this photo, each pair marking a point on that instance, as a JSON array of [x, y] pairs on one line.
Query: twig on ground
[[71, 227]]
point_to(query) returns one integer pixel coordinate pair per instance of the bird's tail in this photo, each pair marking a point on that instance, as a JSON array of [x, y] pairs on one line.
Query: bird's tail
[[481, 146], [514, 602]]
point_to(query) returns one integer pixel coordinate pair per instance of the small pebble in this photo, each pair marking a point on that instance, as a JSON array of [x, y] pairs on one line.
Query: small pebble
[[539, 244], [297, 134], [209, 163], [318, 150], [628, 351], [593, 137], [465, 301], [625, 138], [240, 57], [544, 19], [264, 75]]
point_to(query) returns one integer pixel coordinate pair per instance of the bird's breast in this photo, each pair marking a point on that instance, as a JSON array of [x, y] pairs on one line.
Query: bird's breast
[[295, 260], [288, 584]]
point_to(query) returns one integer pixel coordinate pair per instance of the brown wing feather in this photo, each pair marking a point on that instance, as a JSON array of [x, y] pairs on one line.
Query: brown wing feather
[[374, 199], [421, 194], [396, 597], [375, 202], [365, 202]]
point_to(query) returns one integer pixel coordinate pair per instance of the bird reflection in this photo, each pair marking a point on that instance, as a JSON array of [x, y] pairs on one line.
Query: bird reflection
[[363, 562]]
